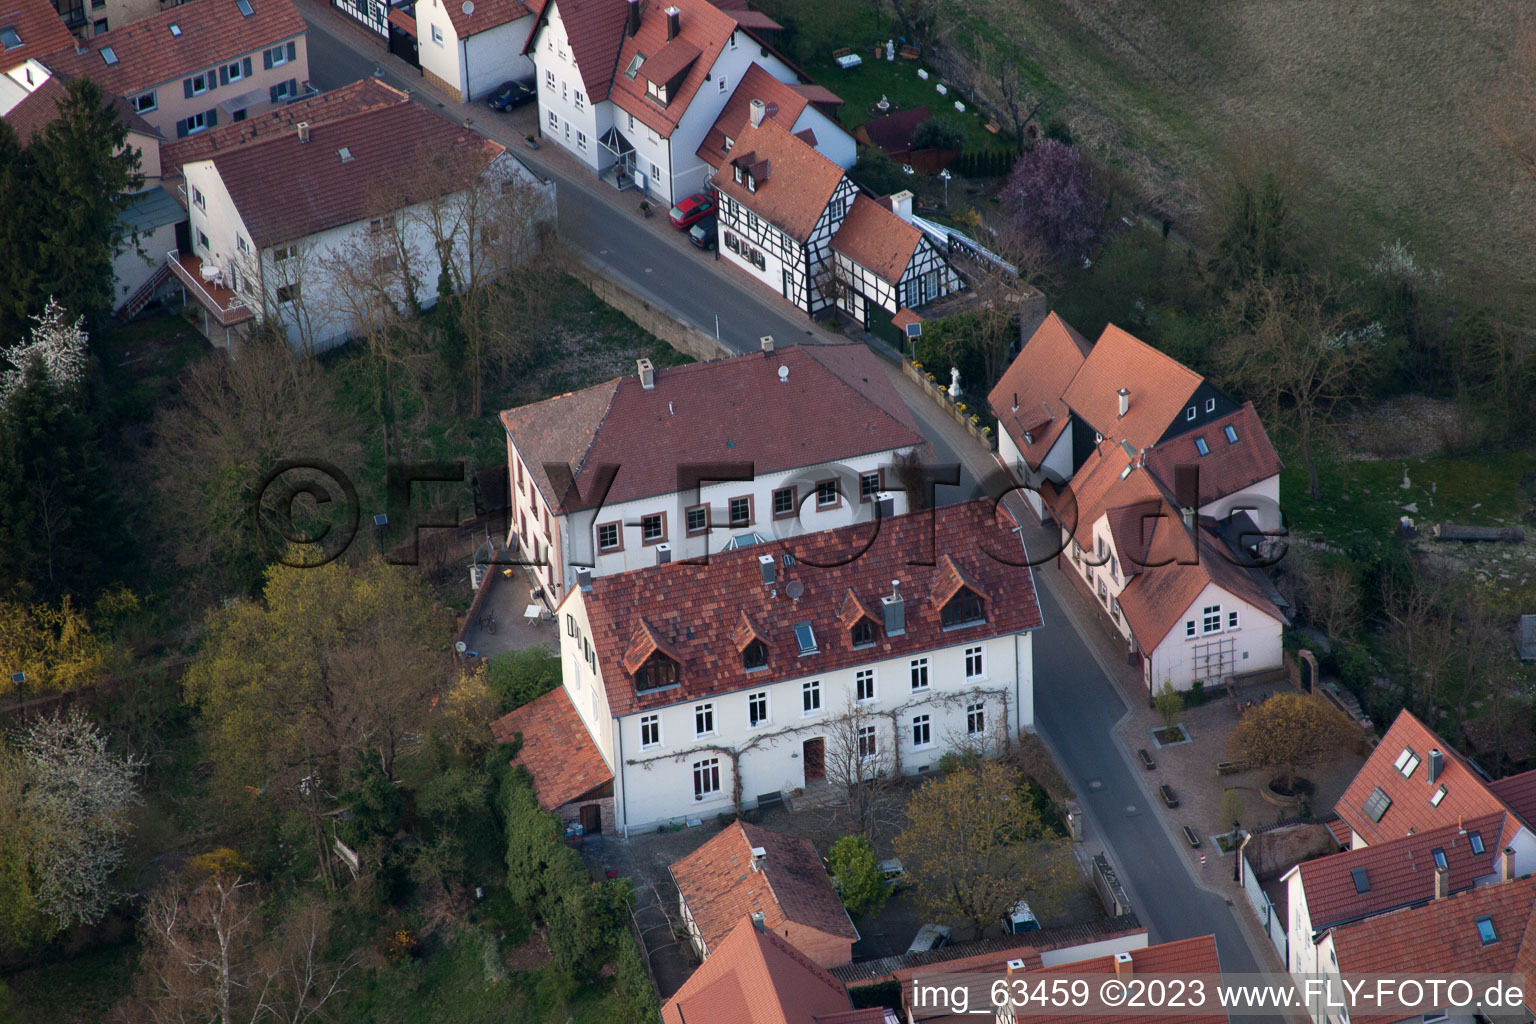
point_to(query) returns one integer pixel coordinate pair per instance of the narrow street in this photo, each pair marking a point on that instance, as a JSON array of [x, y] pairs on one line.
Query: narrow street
[[1077, 704]]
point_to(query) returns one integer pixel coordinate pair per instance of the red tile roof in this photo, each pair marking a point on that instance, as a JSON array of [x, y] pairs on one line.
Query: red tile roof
[[39, 27], [364, 94], [1160, 388], [810, 90], [557, 750], [703, 31], [693, 606], [1229, 467], [1518, 793], [800, 181], [1155, 600], [877, 240], [1028, 395], [720, 887], [1441, 937], [781, 102], [1467, 796], [486, 15], [756, 977], [1398, 873], [894, 132], [41, 108], [595, 29], [318, 190], [212, 32], [836, 403]]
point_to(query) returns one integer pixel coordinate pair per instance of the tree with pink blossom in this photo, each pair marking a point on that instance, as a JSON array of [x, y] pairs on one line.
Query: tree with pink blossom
[[1051, 200]]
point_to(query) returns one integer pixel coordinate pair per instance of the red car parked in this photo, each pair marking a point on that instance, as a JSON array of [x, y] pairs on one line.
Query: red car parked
[[691, 210]]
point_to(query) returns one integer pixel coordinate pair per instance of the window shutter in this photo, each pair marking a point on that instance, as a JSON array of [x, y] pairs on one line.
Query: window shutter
[[181, 129], [293, 51], [223, 74], [293, 87], [186, 85], [213, 117], [266, 59], [272, 92], [245, 67]]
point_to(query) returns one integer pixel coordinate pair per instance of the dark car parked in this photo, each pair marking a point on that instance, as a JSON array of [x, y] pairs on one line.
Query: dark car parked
[[512, 94], [703, 234]]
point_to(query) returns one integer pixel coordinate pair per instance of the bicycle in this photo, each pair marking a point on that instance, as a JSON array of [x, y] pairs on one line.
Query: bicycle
[[488, 622]]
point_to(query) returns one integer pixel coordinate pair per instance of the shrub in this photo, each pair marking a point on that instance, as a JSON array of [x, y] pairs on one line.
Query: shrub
[[518, 677], [938, 133], [1197, 693], [1169, 703], [859, 882]]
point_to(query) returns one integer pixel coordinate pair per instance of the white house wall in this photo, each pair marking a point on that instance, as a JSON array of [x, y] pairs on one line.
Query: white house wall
[[1261, 501], [660, 788], [438, 45], [1256, 643], [496, 55], [134, 264], [832, 141], [563, 98]]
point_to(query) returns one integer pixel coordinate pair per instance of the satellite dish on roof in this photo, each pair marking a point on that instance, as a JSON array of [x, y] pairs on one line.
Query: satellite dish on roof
[[794, 588], [783, 374], [468, 7]]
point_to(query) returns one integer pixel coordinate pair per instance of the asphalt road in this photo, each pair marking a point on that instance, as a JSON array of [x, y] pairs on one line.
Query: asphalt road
[[1076, 704]]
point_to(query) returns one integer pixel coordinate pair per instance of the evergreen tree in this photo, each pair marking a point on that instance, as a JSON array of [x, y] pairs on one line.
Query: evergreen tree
[[82, 168], [18, 227]]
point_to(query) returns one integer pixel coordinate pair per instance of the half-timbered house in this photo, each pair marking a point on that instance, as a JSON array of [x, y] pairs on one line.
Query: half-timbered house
[[780, 204], [882, 261]]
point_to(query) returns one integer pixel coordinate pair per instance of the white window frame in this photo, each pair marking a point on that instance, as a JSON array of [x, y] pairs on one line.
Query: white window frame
[[198, 200], [706, 778], [810, 693], [862, 676], [652, 722], [868, 743], [580, 100], [278, 55], [1210, 405], [919, 670], [979, 654], [581, 141], [922, 725], [976, 718], [704, 714], [755, 700], [235, 71], [197, 122], [199, 89], [1210, 619], [146, 102], [554, 121], [1232, 621], [549, 76], [1189, 629]]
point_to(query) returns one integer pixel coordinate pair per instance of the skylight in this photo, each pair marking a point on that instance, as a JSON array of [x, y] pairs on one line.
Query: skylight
[[1439, 794], [1486, 932], [805, 637], [1201, 447], [634, 65], [175, 30], [1231, 433], [1406, 762], [245, 8], [1476, 839], [1362, 883], [1376, 804], [345, 153], [1439, 856], [9, 37], [109, 55]]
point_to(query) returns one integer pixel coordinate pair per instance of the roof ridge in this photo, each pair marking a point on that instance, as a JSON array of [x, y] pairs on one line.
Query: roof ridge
[[617, 382], [810, 352], [261, 139]]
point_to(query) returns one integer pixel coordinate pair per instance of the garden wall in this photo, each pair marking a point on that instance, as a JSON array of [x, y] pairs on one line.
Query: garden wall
[[688, 340]]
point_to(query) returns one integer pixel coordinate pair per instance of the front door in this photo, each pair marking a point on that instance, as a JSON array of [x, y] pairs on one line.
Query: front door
[[591, 819], [815, 754]]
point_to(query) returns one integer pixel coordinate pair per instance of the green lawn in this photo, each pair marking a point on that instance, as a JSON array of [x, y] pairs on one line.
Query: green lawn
[[1363, 500], [80, 990]]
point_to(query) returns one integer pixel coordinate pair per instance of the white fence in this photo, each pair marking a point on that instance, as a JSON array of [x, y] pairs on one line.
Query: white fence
[[1269, 916]]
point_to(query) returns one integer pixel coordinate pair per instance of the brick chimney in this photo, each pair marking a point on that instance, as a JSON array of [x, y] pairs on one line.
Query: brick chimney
[[1124, 968], [1507, 865], [1442, 883], [633, 24], [674, 22], [758, 109], [647, 374]]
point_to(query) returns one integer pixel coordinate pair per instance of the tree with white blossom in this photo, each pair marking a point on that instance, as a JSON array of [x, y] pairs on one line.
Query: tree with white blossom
[[76, 801], [56, 344]]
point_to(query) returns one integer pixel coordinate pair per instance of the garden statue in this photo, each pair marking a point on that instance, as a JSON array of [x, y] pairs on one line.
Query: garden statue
[[890, 49], [954, 383], [884, 106]]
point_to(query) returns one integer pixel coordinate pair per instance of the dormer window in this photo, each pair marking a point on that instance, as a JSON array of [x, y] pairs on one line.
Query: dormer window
[[863, 633], [751, 182], [729, 142], [737, 171], [963, 609], [658, 672], [657, 92], [754, 656]]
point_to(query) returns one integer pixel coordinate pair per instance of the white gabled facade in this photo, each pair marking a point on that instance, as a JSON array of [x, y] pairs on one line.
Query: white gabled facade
[[568, 117], [474, 64], [654, 782], [787, 265]]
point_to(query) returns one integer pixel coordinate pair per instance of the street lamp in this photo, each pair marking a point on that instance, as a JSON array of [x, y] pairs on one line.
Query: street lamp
[[19, 680], [380, 522], [945, 175]]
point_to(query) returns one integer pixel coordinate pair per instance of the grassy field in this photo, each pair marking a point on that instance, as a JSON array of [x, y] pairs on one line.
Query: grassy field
[[1385, 103]]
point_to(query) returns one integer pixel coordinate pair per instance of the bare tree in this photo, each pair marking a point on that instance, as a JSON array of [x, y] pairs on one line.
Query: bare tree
[[1419, 636], [277, 284], [211, 955], [1003, 82], [1298, 352], [860, 766], [1512, 112]]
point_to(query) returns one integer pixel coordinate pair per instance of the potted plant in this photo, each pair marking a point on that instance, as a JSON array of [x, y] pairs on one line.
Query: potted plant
[[532, 142], [645, 207]]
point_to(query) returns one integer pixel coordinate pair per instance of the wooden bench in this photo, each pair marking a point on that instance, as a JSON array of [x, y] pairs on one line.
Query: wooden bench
[[768, 801], [992, 127], [1191, 838], [1146, 759], [910, 52], [845, 51], [1169, 798], [1231, 767]]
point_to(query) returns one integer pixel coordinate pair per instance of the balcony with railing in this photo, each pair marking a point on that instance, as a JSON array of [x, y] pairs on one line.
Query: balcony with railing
[[223, 305]]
